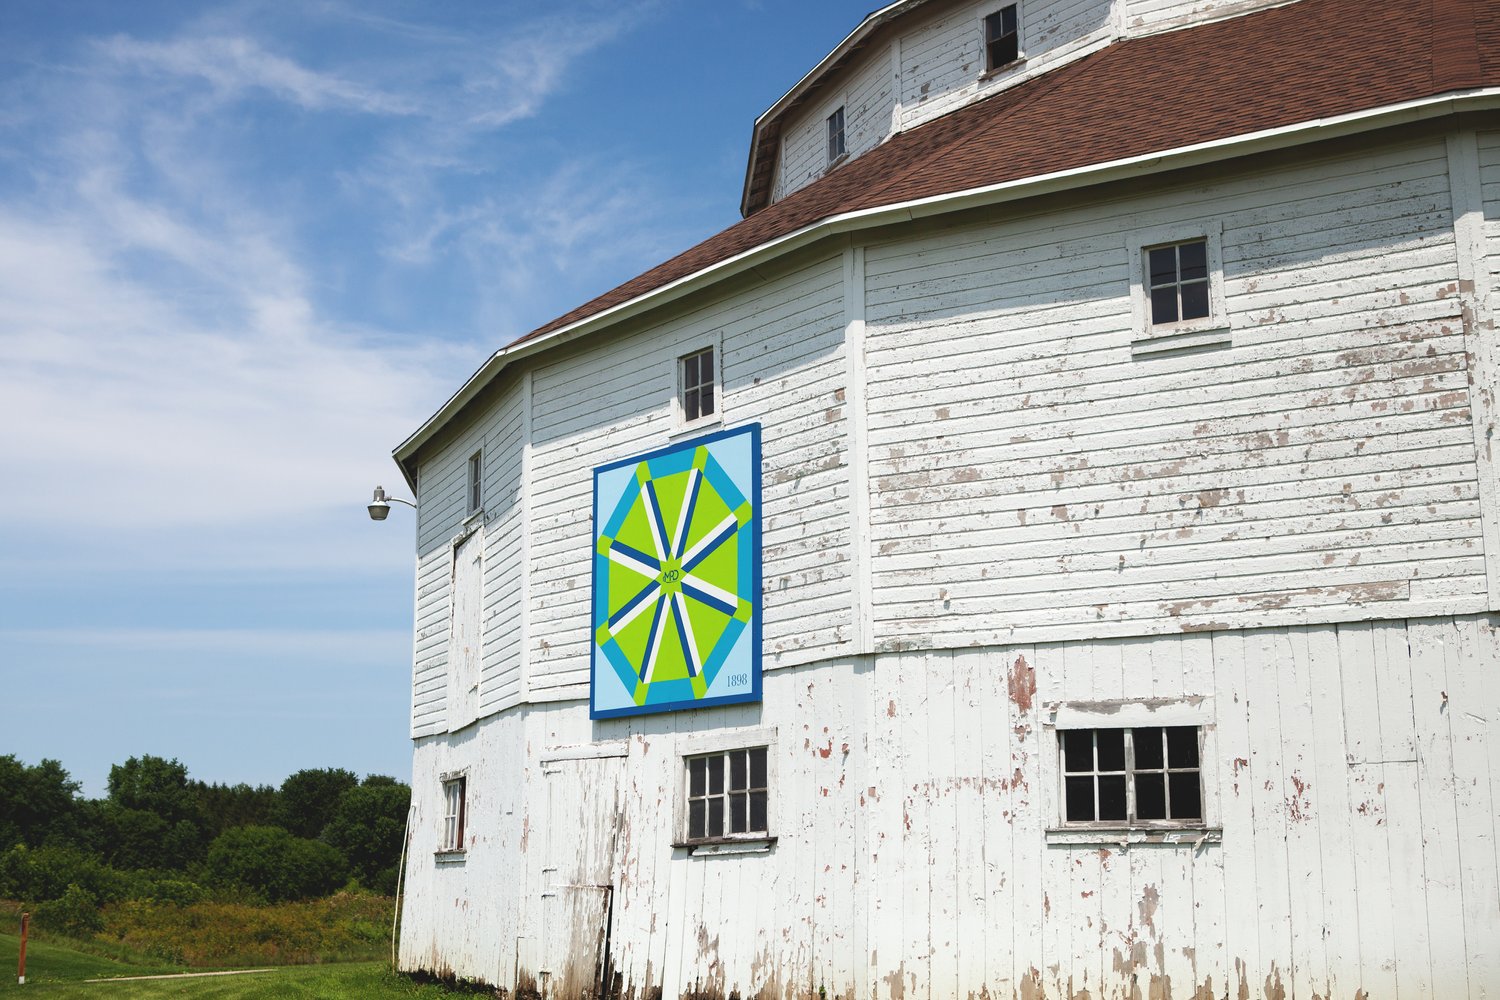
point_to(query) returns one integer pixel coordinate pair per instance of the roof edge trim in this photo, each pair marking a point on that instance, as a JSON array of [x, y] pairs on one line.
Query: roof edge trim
[[1284, 137]]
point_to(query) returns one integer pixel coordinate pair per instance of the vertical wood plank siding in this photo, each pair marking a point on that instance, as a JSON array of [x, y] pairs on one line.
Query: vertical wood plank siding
[[1354, 776], [1030, 478]]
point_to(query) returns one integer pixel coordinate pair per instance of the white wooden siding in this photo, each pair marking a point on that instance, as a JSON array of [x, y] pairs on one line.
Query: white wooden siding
[[504, 442], [942, 59], [1356, 770], [1489, 175], [867, 99], [442, 505], [442, 510], [782, 366], [940, 62], [1030, 479], [1148, 16], [465, 633]]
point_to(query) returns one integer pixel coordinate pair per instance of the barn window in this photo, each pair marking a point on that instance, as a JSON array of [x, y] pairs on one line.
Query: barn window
[[727, 795], [696, 385], [1177, 289], [476, 481], [1002, 39], [455, 793], [836, 146], [1178, 279], [1147, 775]]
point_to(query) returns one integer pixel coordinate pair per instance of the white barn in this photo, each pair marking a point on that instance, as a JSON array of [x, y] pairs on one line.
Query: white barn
[[1114, 385]]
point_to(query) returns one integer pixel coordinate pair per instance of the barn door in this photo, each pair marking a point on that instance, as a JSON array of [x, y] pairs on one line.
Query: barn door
[[582, 835]]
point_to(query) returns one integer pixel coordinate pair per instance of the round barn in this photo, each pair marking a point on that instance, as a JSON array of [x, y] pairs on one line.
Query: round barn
[[1047, 548]]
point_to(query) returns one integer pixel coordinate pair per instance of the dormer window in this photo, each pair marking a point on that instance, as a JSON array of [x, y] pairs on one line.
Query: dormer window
[[1002, 39], [836, 146]]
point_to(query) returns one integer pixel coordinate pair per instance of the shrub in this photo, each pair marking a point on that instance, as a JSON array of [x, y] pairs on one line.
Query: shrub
[[75, 913], [46, 873], [271, 863], [342, 927]]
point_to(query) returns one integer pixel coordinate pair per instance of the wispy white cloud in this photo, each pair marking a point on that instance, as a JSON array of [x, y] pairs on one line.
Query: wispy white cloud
[[233, 65]]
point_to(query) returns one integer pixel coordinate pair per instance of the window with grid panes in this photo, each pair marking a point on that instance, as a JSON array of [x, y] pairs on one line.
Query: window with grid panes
[[1002, 38], [454, 794], [1177, 277], [1142, 776], [727, 795], [836, 134], [697, 374]]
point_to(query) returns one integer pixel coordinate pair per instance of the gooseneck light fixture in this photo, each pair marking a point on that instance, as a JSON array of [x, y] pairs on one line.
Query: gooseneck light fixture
[[380, 504]]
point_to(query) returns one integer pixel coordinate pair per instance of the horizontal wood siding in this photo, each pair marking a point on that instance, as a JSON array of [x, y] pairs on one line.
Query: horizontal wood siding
[[443, 508], [866, 94], [782, 366], [503, 572], [1030, 478], [942, 59], [1353, 769], [1489, 176], [1147, 16]]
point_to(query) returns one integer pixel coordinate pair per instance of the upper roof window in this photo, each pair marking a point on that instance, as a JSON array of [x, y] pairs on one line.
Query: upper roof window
[[1002, 39], [836, 146]]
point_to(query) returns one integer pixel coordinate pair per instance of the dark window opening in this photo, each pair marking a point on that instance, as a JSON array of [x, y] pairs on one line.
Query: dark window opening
[[697, 384], [1002, 40], [476, 481], [727, 794], [836, 135], [1177, 277], [1124, 776]]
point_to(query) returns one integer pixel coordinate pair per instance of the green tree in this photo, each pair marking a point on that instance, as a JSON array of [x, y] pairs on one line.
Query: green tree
[[150, 819], [222, 807], [155, 785], [309, 797], [273, 864], [368, 827], [37, 804]]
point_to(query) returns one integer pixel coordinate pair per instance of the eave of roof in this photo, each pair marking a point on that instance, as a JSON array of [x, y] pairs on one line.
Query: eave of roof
[[1088, 109]]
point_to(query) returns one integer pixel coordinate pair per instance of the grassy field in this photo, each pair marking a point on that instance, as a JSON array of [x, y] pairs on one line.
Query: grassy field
[[54, 971]]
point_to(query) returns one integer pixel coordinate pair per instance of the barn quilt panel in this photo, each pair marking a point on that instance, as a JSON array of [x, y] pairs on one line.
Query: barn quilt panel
[[676, 583]]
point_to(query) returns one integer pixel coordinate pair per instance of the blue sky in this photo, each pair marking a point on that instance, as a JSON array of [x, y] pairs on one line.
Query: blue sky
[[245, 248]]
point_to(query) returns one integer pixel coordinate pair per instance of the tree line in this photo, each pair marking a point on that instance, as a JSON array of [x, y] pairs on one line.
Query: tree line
[[159, 835]]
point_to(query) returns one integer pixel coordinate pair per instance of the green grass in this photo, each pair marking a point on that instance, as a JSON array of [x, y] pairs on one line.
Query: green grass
[[56, 971], [364, 980], [48, 963]]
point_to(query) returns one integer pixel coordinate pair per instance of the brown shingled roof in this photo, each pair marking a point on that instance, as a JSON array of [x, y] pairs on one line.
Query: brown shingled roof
[[1309, 60]]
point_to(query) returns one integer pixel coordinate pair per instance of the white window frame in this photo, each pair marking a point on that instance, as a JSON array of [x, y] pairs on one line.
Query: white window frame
[[1212, 330], [686, 347], [1196, 711], [454, 839], [843, 133], [474, 483], [722, 743], [985, 72]]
